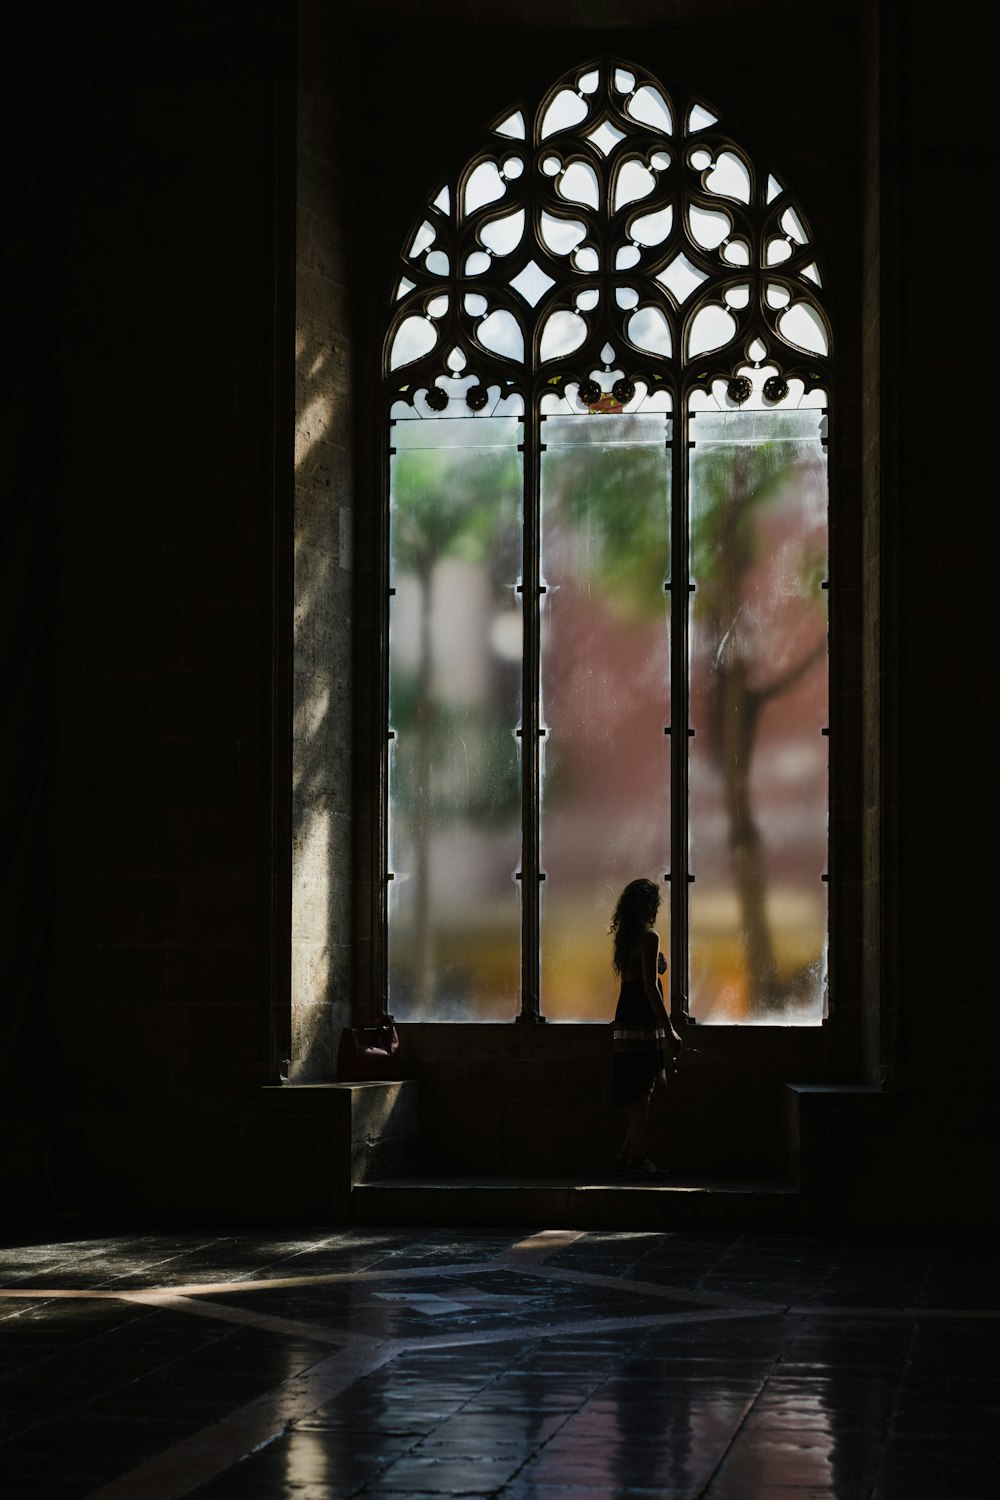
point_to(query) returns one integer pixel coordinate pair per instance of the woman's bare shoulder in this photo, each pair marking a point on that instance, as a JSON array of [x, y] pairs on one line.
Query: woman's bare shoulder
[[650, 939]]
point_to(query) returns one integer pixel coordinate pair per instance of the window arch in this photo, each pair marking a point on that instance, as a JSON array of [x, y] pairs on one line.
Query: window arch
[[606, 372]]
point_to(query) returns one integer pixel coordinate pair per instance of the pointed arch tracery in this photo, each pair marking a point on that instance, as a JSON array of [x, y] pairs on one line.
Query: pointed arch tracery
[[612, 224]]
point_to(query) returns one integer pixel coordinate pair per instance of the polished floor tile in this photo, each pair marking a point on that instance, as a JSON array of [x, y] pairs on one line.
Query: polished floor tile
[[381, 1362]]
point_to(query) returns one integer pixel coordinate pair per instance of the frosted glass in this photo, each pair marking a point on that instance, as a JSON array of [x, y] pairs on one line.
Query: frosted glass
[[730, 178], [606, 137], [648, 329], [562, 235], [501, 332], [579, 184], [424, 236], [605, 814], [415, 337], [563, 332], [513, 127], [700, 119], [803, 326], [502, 235], [681, 277], [710, 328], [709, 226], [792, 224], [758, 763], [648, 106], [532, 282], [566, 109], [455, 702], [652, 229], [632, 182], [485, 185]]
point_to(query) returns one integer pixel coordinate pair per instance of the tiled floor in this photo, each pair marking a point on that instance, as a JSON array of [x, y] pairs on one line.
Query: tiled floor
[[399, 1364]]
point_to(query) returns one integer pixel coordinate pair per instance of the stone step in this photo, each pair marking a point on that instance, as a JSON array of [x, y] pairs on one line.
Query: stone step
[[576, 1203]]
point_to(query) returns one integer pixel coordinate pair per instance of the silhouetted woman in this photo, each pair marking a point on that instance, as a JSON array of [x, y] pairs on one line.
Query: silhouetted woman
[[644, 1038]]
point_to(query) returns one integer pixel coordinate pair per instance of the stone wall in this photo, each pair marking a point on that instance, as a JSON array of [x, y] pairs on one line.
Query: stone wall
[[323, 550], [134, 1060], [941, 1159]]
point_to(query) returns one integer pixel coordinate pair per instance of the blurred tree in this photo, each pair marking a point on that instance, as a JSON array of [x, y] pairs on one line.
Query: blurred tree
[[446, 502], [598, 486], [733, 484]]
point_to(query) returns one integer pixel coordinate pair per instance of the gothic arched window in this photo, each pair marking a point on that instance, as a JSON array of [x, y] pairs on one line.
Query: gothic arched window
[[607, 373]]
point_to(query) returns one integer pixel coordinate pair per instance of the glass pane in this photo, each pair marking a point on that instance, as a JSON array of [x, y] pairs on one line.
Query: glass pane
[[758, 762], [455, 703], [605, 796], [649, 107], [632, 182], [730, 177]]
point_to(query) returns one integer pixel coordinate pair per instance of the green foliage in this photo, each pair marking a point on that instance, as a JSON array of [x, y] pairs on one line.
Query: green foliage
[[615, 495], [730, 484], [452, 502], [468, 759], [461, 502]]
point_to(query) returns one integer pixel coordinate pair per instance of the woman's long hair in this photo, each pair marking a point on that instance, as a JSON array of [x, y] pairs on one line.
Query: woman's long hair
[[636, 910]]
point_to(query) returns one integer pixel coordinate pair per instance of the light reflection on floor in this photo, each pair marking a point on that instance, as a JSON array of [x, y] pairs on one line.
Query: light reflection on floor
[[399, 1363]]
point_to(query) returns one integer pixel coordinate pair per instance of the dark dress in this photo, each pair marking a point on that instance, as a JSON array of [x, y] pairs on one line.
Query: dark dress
[[640, 1044]]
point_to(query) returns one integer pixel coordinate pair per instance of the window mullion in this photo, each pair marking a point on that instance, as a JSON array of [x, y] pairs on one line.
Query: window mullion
[[380, 892], [531, 875], [681, 584]]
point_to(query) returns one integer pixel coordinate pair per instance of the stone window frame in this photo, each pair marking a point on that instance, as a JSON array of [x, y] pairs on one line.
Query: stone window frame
[[812, 371]]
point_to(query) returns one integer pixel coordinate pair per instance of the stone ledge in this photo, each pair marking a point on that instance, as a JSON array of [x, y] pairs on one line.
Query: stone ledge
[[580, 1203], [346, 1133], [829, 1128]]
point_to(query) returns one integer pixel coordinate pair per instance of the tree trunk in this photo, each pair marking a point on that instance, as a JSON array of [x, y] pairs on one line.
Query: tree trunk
[[739, 731], [736, 711]]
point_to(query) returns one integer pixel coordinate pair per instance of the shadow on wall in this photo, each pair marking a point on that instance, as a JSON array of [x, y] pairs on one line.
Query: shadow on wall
[[321, 783]]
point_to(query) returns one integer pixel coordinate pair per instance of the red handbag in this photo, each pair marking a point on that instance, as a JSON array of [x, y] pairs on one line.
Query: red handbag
[[368, 1053]]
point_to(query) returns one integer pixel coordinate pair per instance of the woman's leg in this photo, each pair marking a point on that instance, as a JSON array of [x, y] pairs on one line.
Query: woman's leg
[[637, 1115]]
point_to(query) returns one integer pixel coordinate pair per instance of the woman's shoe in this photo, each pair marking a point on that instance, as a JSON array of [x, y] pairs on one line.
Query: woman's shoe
[[620, 1168], [645, 1170]]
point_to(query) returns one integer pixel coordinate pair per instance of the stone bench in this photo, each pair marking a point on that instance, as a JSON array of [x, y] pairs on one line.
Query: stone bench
[[338, 1135]]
